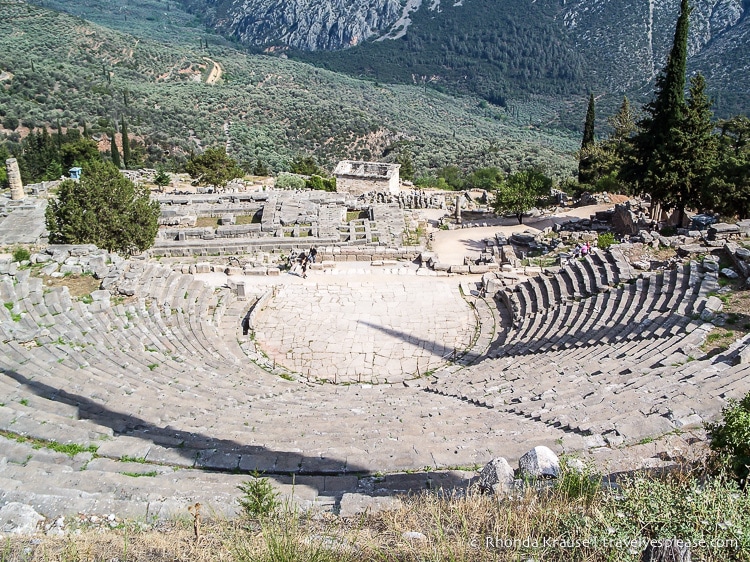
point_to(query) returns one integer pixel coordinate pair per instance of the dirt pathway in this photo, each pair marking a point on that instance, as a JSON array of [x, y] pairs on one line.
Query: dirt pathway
[[452, 245], [216, 71]]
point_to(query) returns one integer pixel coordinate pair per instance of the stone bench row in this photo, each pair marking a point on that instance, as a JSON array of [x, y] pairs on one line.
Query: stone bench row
[[612, 394], [647, 308], [578, 278]]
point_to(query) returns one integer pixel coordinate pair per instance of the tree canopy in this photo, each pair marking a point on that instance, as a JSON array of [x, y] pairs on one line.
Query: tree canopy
[[103, 208], [46, 157], [213, 167], [651, 169], [162, 179], [521, 192]]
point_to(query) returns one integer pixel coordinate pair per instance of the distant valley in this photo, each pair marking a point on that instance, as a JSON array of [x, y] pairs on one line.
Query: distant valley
[[58, 67]]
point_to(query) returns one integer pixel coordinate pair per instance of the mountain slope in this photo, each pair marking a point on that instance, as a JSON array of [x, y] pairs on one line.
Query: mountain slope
[[496, 48], [60, 67]]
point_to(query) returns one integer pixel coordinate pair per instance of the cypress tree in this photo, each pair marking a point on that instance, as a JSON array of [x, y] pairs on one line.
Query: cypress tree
[[114, 152], [588, 128], [670, 87], [125, 143], [587, 144], [59, 137], [623, 123]]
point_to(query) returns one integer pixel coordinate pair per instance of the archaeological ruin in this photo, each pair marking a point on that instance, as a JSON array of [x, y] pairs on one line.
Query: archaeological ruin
[[391, 368], [357, 177]]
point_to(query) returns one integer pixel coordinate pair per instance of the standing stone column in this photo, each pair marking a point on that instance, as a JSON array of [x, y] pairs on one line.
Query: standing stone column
[[458, 209], [14, 179]]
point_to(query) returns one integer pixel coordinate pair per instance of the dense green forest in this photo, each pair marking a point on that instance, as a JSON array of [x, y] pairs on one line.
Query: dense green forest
[[61, 68]]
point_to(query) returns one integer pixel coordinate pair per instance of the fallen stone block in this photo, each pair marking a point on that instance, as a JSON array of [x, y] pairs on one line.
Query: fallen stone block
[[478, 269], [540, 462], [19, 519], [496, 477], [356, 504], [722, 231]]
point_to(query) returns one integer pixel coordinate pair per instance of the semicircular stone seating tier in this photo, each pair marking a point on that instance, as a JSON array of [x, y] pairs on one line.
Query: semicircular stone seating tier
[[160, 382], [597, 351]]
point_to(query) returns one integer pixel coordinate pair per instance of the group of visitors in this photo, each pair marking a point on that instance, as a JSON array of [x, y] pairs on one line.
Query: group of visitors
[[582, 250], [299, 264]]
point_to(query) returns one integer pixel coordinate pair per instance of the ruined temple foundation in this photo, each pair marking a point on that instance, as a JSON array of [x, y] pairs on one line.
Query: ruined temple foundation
[[14, 179]]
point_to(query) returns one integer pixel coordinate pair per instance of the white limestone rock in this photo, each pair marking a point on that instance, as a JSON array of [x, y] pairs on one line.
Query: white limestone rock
[[540, 462], [496, 477], [19, 519]]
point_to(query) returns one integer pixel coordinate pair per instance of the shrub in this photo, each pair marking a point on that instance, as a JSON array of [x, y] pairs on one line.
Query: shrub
[[289, 181], [258, 499], [578, 480], [605, 240], [21, 254], [730, 439]]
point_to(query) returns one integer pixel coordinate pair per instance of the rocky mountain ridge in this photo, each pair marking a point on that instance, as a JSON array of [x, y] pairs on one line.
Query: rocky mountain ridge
[[624, 45]]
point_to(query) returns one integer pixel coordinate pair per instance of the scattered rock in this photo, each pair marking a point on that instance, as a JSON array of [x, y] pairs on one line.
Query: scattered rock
[[356, 504], [496, 477], [540, 462], [575, 465], [19, 519], [743, 254], [710, 265], [714, 304], [729, 273], [413, 536]]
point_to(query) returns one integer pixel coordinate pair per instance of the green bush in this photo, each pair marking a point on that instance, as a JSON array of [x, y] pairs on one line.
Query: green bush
[[289, 181], [578, 480], [258, 499], [714, 514], [730, 439], [605, 240], [21, 254]]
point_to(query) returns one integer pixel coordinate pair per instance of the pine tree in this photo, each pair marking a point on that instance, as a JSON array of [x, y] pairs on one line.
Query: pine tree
[[103, 208], [587, 145], [652, 144], [114, 153], [407, 167], [692, 150], [732, 175], [623, 122], [126, 160]]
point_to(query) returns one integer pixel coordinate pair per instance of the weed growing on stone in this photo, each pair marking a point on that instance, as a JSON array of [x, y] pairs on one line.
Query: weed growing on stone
[[258, 499]]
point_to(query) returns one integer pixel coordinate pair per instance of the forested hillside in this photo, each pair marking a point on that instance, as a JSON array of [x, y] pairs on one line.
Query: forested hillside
[[500, 50], [61, 69]]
